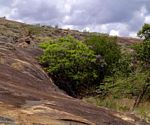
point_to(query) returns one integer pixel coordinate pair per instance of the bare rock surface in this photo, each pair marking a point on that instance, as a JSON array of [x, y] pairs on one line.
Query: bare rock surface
[[29, 97]]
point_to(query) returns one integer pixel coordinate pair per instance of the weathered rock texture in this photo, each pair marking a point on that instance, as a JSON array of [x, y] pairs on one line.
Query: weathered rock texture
[[29, 97]]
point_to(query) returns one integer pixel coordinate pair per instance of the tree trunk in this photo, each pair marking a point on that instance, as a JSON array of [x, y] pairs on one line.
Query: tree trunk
[[140, 97]]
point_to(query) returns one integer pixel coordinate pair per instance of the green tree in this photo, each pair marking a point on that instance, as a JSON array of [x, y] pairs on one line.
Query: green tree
[[107, 48], [143, 49], [142, 52], [144, 32], [131, 76], [72, 65]]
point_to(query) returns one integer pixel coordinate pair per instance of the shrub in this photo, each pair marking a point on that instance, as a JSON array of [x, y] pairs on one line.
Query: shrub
[[144, 32], [142, 51], [130, 86], [71, 64], [107, 48]]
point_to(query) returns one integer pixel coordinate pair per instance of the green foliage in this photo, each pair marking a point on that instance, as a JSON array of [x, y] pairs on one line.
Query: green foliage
[[71, 64], [145, 32], [107, 48], [143, 51], [124, 66], [115, 74], [131, 76], [126, 87]]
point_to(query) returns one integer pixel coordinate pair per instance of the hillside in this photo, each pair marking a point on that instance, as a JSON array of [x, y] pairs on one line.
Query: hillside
[[29, 97]]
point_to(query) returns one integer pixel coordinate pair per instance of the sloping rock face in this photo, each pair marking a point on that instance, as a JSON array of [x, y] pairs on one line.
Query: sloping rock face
[[29, 97]]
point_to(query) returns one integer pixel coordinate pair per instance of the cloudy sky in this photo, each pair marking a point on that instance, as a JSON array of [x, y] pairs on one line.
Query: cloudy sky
[[116, 17]]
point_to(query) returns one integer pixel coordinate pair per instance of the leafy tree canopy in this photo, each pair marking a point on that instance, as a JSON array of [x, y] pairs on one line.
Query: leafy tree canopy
[[71, 64], [107, 48], [144, 32]]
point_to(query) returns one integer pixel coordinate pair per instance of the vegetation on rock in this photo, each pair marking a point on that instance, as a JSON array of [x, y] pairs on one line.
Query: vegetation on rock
[[107, 48], [130, 79], [144, 32], [73, 66], [116, 76], [101, 69]]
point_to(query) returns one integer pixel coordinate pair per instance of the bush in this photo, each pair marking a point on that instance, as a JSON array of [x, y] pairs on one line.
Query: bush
[[144, 32], [107, 48], [123, 87], [72, 65], [143, 51]]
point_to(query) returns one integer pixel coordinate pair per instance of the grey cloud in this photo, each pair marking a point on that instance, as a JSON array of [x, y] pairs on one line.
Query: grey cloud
[[124, 16], [136, 22], [111, 12], [100, 12], [5, 3], [36, 11]]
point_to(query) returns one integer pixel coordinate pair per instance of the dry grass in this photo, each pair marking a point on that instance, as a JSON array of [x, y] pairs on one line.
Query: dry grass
[[123, 105]]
